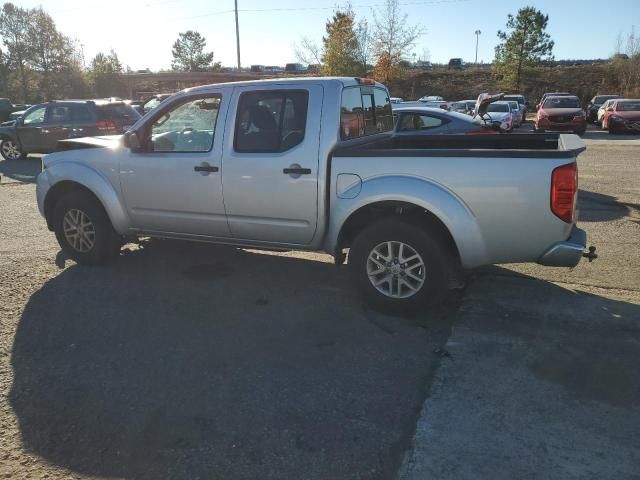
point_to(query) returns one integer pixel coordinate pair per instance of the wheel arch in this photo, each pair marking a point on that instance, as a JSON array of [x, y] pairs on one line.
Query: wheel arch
[[421, 201], [66, 178]]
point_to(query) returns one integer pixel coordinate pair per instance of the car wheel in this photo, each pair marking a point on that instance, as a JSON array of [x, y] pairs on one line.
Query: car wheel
[[10, 150], [399, 267], [83, 229]]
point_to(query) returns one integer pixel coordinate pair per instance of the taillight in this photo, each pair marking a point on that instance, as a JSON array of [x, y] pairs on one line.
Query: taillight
[[105, 125], [564, 187]]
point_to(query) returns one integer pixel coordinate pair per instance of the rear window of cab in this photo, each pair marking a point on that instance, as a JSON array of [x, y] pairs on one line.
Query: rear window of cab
[[364, 111]]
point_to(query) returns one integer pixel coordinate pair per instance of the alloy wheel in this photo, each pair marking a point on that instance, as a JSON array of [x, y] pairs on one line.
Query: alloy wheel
[[396, 269]]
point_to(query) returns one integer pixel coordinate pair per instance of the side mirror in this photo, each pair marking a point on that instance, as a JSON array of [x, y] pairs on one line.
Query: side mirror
[[132, 141]]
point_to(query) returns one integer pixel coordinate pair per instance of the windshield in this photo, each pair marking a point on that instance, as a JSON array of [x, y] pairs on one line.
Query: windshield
[[498, 107], [561, 102], [628, 106], [603, 98]]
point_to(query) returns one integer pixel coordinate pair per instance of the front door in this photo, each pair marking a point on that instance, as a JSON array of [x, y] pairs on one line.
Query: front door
[[270, 165], [174, 185], [29, 130]]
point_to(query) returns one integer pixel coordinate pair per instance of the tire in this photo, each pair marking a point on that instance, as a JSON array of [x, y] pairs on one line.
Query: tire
[[399, 299], [99, 243], [10, 150]]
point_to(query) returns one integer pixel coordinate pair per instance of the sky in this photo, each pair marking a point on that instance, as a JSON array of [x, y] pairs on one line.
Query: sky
[[143, 31]]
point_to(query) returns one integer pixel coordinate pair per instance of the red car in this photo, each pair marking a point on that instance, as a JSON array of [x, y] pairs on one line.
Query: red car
[[623, 116], [561, 114]]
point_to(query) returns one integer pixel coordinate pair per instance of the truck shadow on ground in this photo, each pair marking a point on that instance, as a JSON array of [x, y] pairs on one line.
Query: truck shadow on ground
[[185, 360], [598, 207], [23, 171]]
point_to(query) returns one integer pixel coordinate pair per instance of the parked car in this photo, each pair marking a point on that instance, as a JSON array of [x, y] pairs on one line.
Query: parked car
[[561, 114], [555, 94], [501, 114], [431, 98], [517, 114], [294, 68], [522, 104], [471, 105], [7, 108], [594, 105], [151, 102], [603, 108], [433, 121], [273, 69], [623, 116], [43, 125], [396, 100], [456, 64], [460, 107], [424, 65], [412, 211], [257, 68]]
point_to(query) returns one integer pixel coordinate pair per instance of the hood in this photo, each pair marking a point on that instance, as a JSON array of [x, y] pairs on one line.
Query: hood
[[629, 115], [561, 111], [483, 101], [107, 141]]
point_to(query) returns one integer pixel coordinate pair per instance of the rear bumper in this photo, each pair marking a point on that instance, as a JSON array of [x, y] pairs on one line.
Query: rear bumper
[[544, 124], [567, 253]]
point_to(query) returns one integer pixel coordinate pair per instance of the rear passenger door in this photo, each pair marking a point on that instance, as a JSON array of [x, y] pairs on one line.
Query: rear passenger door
[[270, 163], [58, 126]]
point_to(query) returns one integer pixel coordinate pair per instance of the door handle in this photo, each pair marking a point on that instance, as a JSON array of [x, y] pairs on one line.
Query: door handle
[[205, 168], [297, 171]]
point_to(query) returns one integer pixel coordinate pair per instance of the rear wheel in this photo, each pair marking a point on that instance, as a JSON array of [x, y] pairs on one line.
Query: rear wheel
[[399, 267], [10, 150], [84, 230]]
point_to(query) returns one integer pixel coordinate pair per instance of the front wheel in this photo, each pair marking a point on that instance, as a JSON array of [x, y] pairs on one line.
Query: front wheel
[[10, 150], [83, 229], [399, 267]]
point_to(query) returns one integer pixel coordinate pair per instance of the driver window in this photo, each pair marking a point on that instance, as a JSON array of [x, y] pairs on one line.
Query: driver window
[[35, 116], [187, 127]]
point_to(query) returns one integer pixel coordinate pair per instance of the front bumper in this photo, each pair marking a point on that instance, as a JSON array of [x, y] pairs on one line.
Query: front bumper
[[544, 124], [567, 253], [42, 187]]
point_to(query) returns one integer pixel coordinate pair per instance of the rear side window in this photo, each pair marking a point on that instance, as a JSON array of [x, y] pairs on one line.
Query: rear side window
[[364, 111], [270, 121], [117, 111], [81, 113], [413, 121], [59, 114]]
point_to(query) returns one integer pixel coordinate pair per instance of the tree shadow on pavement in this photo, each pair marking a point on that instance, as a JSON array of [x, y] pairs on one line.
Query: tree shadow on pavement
[[598, 207], [23, 171], [185, 360]]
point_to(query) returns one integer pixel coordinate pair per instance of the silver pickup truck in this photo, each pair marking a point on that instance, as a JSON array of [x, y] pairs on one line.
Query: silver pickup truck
[[313, 164]]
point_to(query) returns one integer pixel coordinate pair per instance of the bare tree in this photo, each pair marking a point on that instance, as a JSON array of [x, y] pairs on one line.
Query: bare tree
[[308, 51], [363, 44], [626, 63], [393, 37]]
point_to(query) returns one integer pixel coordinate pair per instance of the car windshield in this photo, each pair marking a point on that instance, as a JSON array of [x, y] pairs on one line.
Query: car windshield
[[561, 102], [498, 107], [629, 106], [603, 98]]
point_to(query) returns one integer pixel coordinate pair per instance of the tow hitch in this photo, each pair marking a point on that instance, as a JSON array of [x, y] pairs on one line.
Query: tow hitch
[[591, 254]]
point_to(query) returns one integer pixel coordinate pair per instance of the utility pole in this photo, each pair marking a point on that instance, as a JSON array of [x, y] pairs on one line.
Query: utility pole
[[477, 32], [237, 36]]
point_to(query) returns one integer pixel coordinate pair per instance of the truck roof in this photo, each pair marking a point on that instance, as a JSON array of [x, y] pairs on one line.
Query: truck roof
[[343, 81]]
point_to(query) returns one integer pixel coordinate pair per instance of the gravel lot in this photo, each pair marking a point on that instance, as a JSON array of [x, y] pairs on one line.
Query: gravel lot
[[196, 361]]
